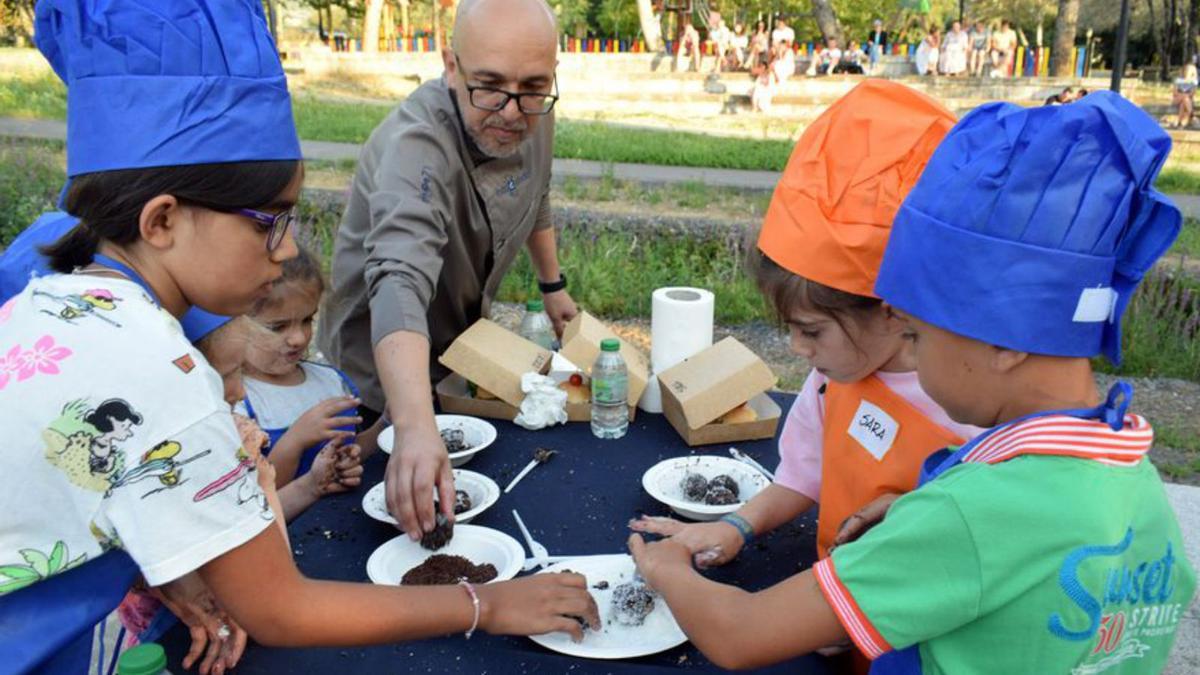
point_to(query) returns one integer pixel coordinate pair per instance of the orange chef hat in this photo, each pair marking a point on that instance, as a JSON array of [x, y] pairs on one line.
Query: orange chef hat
[[832, 210]]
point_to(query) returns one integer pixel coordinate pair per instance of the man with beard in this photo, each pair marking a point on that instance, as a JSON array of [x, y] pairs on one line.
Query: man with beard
[[448, 190]]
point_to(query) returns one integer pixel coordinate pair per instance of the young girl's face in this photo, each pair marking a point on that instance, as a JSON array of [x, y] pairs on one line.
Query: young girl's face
[[226, 355], [237, 268], [290, 319], [865, 344]]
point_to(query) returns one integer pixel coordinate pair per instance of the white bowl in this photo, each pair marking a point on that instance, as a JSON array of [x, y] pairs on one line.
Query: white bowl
[[478, 433], [663, 481], [391, 561], [483, 492]]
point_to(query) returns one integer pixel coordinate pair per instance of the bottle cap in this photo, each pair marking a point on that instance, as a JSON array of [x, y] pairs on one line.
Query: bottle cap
[[144, 659], [535, 306], [610, 345]]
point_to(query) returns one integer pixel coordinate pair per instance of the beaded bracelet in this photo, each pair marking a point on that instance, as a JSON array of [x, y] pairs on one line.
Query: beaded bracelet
[[743, 526], [475, 602]]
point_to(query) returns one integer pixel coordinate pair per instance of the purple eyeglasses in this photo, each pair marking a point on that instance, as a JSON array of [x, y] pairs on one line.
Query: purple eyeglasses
[[275, 225]]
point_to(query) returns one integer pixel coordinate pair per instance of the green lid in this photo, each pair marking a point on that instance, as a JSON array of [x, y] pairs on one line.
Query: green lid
[[610, 345], [144, 659], [535, 306]]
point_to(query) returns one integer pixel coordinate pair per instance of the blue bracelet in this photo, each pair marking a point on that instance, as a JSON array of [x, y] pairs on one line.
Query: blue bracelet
[[743, 526]]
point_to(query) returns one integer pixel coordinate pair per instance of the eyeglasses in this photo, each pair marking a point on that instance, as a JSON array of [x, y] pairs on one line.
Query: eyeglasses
[[274, 225], [493, 99]]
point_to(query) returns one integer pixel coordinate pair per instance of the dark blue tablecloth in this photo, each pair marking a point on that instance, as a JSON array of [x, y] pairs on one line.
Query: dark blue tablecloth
[[578, 503]]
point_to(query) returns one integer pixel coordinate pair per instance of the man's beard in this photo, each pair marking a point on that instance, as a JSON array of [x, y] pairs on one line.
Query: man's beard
[[493, 148]]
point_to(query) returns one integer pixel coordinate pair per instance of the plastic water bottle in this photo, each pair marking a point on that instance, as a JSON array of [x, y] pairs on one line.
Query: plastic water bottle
[[536, 326], [610, 392]]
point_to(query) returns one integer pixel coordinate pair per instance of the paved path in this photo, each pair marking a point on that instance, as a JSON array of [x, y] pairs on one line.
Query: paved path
[[579, 168]]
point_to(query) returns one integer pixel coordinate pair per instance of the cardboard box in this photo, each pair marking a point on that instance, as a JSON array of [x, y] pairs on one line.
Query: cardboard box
[[706, 386], [581, 346], [495, 359], [455, 397]]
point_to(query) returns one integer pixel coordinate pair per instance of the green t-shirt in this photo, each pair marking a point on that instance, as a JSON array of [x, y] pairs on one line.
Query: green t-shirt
[[1037, 564]]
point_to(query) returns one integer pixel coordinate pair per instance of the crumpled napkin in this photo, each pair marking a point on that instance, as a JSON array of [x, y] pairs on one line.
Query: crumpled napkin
[[545, 404]]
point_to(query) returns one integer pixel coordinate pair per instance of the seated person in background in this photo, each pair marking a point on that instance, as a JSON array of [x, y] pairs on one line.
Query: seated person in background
[[760, 45], [852, 61], [784, 64], [689, 44], [830, 57], [735, 53]]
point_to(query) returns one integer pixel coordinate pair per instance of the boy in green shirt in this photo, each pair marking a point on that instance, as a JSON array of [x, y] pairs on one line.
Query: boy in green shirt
[[1045, 545]]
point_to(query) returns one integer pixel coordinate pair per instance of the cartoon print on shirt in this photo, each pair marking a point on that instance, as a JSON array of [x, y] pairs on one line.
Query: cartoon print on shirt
[[241, 475], [85, 444], [160, 463], [91, 302], [38, 566]]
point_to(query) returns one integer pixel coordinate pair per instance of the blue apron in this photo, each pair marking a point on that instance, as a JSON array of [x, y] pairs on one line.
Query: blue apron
[[47, 627], [907, 661], [306, 459]]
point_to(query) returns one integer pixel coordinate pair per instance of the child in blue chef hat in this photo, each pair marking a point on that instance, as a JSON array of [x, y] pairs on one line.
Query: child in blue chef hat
[[121, 456], [1046, 544]]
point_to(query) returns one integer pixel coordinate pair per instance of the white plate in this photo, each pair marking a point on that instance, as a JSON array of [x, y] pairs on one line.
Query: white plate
[[483, 491], [478, 433], [391, 561], [663, 482], [659, 633]]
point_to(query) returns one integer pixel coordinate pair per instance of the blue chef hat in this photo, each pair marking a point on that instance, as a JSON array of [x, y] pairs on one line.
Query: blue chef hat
[[156, 83], [1030, 228]]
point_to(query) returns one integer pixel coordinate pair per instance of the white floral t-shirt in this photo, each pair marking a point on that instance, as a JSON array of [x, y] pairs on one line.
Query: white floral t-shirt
[[116, 435]]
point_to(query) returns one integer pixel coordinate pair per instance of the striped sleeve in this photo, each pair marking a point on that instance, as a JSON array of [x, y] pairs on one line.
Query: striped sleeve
[[912, 577], [857, 625]]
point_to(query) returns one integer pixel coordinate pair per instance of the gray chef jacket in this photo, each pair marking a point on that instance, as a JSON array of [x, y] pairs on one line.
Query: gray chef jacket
[[431, 227]]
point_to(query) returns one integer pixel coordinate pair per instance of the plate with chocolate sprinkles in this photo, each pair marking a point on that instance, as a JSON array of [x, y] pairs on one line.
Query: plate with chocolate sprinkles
[[446, 555], [634, 620], [463, 435]]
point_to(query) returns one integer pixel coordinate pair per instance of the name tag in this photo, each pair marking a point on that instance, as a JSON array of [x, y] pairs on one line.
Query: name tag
[[874, 429]]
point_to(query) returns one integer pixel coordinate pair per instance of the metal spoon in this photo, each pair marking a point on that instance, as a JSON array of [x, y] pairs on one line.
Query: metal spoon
[[746, 459]]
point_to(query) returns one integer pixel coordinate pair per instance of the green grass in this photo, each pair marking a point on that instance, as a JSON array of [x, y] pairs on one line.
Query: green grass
[[1179, 181], [604, 142], [31, 174], [1160, 332], [670, 197], [320, 119], [1188, 243], [613, 273]]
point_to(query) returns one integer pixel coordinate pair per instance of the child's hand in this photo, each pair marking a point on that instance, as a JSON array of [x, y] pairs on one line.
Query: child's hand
[[349, 466], [542, 603], [660, 559], [864, 519], [320, 423], [711, 544], [326, 478]]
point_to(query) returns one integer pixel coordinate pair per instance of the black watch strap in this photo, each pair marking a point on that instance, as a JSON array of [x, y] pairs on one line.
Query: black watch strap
[[553, 286]]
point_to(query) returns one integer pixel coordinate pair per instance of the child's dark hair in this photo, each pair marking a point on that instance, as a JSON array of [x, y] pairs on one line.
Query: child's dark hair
[[109, 203], [788, 291], [304, 270], [113, 408]]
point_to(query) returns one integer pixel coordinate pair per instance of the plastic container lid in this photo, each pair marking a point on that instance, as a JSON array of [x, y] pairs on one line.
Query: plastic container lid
[[144, 659], [610, 345], [535, 306]]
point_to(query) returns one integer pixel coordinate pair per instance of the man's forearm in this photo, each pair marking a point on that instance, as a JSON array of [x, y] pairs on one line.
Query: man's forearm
[[543, 252], [402, 359]]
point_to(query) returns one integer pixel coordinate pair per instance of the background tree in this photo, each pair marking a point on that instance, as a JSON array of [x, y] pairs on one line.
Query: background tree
[[1065, 25], [827, 20], [371, 25], [651, 29]]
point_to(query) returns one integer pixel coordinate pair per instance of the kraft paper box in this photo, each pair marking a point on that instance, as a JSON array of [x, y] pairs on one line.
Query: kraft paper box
[[454, 396], [495, 359], [581, 346], [704, 387]]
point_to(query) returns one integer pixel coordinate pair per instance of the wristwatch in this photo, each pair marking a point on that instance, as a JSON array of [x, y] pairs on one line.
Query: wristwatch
[[547, 287]]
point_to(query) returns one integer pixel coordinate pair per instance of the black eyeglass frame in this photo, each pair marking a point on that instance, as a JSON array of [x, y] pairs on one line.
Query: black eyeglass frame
[[509, 95]]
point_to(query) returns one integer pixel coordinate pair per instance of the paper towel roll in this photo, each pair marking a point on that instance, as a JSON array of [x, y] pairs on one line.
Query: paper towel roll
[[681, 325]]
